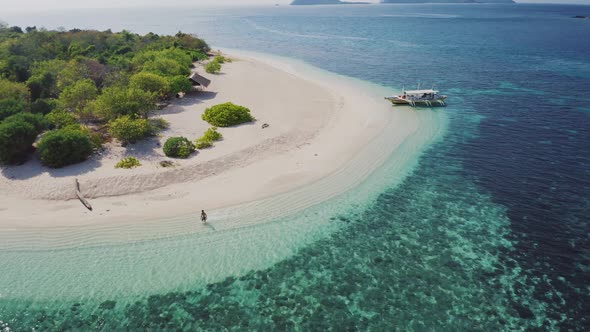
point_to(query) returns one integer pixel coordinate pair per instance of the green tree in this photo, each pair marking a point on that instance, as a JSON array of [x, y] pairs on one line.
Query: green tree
[[62, 147], [37, 120], [60, 118], [13, 90], [10, 107], [152, 83], [179, 84], [43, 80], [165, 67], [17, 134], [116, 101], [75, 97]]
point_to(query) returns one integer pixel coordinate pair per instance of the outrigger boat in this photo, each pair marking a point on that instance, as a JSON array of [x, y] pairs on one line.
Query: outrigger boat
[[419, 98]]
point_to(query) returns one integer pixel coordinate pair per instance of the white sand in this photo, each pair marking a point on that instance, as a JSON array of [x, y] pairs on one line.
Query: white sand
[[325, 137]]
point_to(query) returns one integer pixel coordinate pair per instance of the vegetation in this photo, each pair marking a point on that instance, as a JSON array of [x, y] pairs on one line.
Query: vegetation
[[178, 147], [222, 59], [210, 136], [203, 144], [67, 146], [90, 77], [14, 97], [129, 130], [213, 67], [127, 163], [60, 118], [159, 124], [227, 114], [154, 83], [17, 135]]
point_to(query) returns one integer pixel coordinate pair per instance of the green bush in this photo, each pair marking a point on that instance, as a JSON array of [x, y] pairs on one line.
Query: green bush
[[96, 139], [178, 147], [10, 107], [221, 59], [37, 120], [62, 147], [128, 130], [16, 141], [228, 114], [210, 136], [203, 143], [179, 84], [127, 163], [43, 106], [213, 67], [159, 124], [60, 119], [151, 82]]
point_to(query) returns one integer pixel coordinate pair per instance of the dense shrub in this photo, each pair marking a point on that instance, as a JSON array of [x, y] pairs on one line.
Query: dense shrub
[[60, 119], [96, 139], [129, 130], [151, 82], [159, 124], [62, 147], [116, 101], [16, 141], [228, 114], [127, 163], [221, 59], [10, 107], [178, 147], [203, 143], [37, 120], [43, 106], [179, 84], [76, 96], [213, 67], [210, 136]]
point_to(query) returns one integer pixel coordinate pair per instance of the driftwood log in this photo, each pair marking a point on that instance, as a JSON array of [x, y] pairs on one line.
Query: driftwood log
[[83, 200]]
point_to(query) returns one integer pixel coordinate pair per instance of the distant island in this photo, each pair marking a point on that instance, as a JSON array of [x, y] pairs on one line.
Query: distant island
[[324, 2], [338, 2], [447, 1]]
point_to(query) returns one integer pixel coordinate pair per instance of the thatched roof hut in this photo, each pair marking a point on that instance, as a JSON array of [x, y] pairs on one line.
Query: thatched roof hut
[[199, 81]]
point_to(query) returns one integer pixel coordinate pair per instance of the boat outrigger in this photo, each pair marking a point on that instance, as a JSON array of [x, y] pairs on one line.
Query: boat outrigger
[[419, 98]]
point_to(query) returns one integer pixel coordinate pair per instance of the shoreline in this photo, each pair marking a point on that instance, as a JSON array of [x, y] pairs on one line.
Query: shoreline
[[288, 159], [159, 232]]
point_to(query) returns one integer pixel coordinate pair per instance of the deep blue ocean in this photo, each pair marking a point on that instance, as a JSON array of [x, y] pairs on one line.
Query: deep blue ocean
[[491, 232]]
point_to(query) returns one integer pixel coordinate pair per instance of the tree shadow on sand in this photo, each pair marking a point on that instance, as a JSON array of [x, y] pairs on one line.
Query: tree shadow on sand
[[192, 98], [33, 168]]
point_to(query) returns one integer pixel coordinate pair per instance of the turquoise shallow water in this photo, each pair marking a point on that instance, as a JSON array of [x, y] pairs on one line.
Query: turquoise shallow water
[[488, 232]]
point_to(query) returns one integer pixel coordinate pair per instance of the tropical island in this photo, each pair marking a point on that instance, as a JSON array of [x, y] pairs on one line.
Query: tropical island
[[144, 126], [447, 1]]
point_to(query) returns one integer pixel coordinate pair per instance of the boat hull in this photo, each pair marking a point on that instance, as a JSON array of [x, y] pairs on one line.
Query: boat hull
[[418, 102]]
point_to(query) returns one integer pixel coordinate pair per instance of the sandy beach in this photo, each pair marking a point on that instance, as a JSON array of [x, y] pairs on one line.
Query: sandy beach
[[318, 130]]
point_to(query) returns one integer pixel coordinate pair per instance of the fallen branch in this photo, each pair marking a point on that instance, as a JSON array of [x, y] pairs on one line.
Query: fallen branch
[[81, 197]]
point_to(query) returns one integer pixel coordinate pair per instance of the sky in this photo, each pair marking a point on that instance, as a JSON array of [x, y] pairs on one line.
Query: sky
[[58, 4]]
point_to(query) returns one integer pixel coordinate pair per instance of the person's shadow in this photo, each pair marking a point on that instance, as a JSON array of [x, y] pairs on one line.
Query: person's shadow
[[208, 225]]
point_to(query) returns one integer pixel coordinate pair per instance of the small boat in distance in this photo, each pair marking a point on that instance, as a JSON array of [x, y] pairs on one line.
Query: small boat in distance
[[419, 98]]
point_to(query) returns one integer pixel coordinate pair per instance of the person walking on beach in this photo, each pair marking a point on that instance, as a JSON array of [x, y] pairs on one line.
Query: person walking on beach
[[203, 216]]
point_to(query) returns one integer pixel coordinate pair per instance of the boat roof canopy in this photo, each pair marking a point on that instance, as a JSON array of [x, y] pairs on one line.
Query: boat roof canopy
[[416, 92]]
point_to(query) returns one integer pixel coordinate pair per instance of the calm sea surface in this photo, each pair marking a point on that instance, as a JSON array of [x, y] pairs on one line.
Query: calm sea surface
[[490, 232]]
